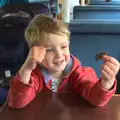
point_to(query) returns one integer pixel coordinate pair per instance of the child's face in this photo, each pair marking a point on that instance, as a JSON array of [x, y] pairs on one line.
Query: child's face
[[57, 52]]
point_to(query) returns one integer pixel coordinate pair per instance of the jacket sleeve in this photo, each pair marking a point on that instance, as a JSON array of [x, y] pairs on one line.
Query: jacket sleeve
[[89, 87], [20, 94]]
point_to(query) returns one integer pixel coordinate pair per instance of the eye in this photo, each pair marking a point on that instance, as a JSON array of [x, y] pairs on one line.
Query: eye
[[50, 50], [65, 46]]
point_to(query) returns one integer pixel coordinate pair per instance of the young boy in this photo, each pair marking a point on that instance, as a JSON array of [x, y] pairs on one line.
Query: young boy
[[50, 67]]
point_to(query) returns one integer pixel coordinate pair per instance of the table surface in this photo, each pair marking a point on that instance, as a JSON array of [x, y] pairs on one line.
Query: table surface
[[58, 106]]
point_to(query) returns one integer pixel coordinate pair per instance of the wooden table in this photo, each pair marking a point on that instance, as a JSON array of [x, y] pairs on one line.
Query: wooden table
[[54, 106]]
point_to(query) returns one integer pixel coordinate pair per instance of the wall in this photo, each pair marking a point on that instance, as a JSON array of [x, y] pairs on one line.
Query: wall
[[91, 38]]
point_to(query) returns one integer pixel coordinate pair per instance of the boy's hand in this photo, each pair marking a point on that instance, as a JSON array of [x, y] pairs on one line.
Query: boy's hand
[[109, 69], [35, 56]]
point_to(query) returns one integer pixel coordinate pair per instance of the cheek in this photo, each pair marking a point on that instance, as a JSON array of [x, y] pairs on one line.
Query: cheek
[[67, 57], [47, 60], [67, 51], [67, 54], [45, 64]]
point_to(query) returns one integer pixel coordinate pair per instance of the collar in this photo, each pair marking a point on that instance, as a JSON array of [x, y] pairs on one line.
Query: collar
[[66, 71]]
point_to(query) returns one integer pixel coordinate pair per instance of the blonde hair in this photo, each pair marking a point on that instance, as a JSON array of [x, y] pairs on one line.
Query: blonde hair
[[41, 25]]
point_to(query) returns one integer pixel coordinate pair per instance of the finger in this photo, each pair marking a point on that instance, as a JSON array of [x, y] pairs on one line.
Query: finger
[[105, 76], [108, 70], [35, 54], [38, 51], [32, 59], [112, 67], [111, 59], [41, 48]]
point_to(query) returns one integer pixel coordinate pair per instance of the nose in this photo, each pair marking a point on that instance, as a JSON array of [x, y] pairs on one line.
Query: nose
[[58, 53]]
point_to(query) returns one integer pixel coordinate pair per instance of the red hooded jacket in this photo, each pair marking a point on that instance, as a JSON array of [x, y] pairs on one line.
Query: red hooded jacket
[[78, 79]]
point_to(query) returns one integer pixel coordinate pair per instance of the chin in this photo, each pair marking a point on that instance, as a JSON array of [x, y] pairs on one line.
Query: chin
[[59, 69]]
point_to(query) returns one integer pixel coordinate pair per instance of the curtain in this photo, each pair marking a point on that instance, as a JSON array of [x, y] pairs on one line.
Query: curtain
[[3, 2], [17, 1]]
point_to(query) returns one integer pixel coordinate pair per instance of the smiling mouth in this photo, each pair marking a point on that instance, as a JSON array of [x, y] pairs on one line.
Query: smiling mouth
[[58, 62]]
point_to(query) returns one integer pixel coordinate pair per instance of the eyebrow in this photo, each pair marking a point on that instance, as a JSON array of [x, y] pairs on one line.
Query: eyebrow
[[64, 43], [60, 44]]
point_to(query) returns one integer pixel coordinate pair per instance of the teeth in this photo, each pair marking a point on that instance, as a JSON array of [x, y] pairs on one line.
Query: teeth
[[58, 62]]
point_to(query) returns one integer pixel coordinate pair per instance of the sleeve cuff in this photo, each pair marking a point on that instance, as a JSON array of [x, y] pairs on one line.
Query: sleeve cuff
[[102, 91], [20, 86]]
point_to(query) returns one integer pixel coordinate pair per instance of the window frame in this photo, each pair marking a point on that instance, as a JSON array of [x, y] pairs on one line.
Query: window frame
[[103, 2]]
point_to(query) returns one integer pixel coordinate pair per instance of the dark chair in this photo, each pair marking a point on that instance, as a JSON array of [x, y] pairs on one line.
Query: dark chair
[[13, 46], [31, 8], [13, 49]]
